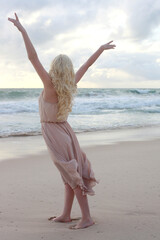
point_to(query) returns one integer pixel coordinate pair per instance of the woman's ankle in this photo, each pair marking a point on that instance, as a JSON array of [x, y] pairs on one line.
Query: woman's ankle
[[86, 218]]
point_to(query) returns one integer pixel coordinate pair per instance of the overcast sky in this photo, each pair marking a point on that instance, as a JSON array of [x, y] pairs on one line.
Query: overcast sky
[[77, 28]]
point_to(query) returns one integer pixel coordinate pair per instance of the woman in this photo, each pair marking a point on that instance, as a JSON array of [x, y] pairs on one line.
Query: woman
[[55, 103]]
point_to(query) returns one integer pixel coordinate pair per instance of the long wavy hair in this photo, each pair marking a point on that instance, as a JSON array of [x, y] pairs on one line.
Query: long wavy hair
[[63, 78]]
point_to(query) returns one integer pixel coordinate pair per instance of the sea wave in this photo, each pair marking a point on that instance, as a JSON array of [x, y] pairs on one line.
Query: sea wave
[[19, 94], [93, 110], [87, 103], [144, 91], [19, 107], [20, 134]]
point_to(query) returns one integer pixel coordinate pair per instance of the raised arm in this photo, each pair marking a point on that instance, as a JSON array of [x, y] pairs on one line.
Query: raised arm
[[82, 70], [31, 52]]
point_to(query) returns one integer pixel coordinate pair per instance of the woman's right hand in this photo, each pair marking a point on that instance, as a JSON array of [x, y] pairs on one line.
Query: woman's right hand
[[17, 23]]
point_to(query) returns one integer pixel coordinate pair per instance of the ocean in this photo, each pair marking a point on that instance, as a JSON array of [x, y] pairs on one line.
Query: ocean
[[94, 109]]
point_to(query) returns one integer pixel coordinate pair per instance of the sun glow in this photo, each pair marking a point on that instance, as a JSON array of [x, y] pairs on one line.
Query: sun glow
[[117, 18]]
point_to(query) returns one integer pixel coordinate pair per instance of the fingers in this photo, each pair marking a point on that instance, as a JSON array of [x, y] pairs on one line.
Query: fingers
[[110, 42], [11, 20], [111, 46], [16, 16]]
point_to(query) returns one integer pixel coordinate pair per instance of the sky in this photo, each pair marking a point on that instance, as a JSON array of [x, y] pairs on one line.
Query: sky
[[78, 28]]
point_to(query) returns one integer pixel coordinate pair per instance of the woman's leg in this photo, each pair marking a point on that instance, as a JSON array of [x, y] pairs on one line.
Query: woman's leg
[[86, 220], [66, 215]]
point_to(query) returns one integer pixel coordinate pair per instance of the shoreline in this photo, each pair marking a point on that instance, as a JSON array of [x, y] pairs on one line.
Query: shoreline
[[34, 134], [20, 146]]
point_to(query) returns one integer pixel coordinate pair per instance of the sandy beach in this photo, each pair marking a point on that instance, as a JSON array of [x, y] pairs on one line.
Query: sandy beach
[[127, 201]]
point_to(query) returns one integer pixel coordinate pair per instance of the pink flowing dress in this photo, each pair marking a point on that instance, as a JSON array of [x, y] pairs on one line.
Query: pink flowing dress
[[64, 149]]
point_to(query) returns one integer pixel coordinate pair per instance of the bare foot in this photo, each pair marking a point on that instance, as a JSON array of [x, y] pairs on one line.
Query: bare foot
[[62, 219], [83, 224]]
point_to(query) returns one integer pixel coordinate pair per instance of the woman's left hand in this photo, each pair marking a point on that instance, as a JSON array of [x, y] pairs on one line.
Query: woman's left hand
[[17, 23], [108, 46]]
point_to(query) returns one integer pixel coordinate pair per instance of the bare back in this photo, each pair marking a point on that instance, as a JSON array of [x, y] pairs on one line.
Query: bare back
[[49, 95]]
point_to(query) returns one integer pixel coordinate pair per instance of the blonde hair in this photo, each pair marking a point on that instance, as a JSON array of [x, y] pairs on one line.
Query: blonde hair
[[63, 78]]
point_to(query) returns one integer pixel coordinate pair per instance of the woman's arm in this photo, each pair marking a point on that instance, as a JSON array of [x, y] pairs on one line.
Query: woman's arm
[[31, 52], [92, 59]]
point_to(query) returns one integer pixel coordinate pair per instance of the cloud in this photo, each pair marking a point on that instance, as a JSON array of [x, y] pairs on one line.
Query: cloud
[[143, 17], [33, 5], [127, 19], [139, 64], [78, 28]]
